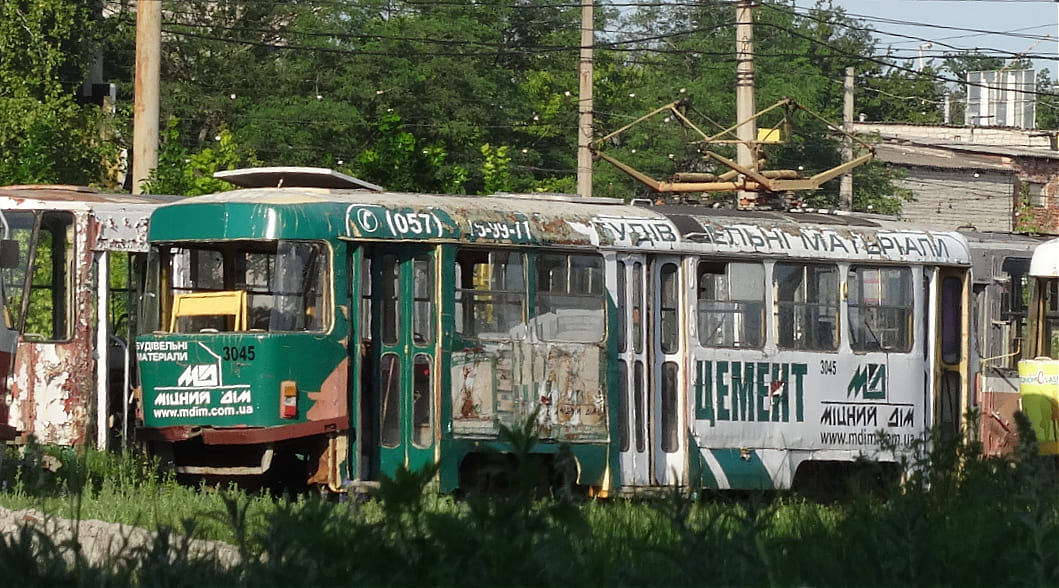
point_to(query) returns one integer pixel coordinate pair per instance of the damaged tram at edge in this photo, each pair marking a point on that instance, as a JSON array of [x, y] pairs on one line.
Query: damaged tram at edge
[[70, 261], [328, 332]]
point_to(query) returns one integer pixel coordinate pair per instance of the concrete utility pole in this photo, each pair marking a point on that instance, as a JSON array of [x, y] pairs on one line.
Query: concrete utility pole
[[584, 121], [148, 76], [746, 156], [845, 189]]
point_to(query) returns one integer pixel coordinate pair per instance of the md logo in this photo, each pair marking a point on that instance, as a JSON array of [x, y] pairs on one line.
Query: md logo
[[868, 382], [197, 376]]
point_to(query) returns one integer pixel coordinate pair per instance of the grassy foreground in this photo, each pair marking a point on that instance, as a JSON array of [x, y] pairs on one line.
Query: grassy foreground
[[958, 520]]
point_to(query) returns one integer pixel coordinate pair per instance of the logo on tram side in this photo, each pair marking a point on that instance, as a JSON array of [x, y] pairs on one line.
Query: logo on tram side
[[868, 382]]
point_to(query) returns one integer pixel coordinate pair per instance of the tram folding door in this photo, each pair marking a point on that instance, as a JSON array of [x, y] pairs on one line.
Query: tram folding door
[[633, 362], [666, 317], [404, 336]]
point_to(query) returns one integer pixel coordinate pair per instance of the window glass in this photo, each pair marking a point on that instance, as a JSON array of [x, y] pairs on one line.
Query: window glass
[[637, 307], [639, 406], [422, 402], [623, 406], [623, 305], [951, 319], [731, 304], [1050, 288], [390, 394], [390, 299], [806, 306], [423, 299], [569, 302], [490, 294], [670, 420], [668, 306], [286, 283], [880, 308], [48, 313]]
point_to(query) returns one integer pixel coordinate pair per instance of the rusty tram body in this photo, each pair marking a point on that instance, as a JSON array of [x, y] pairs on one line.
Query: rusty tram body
[[71, 298]]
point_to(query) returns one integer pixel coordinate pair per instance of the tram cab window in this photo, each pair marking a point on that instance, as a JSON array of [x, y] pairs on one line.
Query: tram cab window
[[1051, 319], [285, 283], [569, 300], [51, 286], [806, 306], [730, 304], [880, 308], [490, 294]]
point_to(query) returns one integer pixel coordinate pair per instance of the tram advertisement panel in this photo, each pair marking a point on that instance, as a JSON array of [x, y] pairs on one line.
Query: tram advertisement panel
[[1039, 389], [808, 401], [230, 380]]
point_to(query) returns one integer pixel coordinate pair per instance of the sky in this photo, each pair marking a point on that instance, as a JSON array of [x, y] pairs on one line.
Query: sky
[[934, 27]]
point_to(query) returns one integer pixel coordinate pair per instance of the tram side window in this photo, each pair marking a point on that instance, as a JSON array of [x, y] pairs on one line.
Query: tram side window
[[880, 308], [490, 294], [806, 306], [569, 298], [731, 304], [48, 314]]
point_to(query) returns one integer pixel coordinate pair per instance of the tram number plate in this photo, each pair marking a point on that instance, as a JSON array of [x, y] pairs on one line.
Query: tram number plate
[[239, 353]]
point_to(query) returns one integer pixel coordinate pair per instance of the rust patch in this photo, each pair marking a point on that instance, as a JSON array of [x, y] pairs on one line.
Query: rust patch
[[331, 401]]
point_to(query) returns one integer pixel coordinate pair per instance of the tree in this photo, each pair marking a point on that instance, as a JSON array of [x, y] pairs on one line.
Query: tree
[[46, 136]]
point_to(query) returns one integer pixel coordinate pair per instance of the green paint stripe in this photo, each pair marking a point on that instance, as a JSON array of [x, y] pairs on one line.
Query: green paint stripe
[[743, 473]]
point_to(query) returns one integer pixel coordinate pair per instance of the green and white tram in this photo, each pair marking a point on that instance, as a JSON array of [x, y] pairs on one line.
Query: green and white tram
[[331, 331]]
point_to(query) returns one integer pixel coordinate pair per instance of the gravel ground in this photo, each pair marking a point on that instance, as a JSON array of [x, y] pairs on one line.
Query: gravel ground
[[101, 541]]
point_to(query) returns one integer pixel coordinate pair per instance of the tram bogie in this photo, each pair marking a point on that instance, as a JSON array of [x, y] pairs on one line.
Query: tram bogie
[[347, 331]]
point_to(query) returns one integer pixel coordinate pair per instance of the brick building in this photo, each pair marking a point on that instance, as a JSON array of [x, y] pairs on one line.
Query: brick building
[[986, 178]]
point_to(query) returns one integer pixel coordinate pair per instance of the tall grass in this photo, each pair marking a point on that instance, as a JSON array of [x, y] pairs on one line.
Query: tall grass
[[957, 520]]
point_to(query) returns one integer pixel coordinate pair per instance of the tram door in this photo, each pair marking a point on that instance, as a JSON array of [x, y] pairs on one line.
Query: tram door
[[403, 355], [633, 362], [665, 316], [951, 359]]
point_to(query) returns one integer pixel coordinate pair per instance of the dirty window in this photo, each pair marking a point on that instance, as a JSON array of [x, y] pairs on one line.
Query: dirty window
[[880, 308], [390, 388], [668, 307], [730, 308], [48, 312], [422, 402], [490, 294], [806, 306], [570, 297], [286, 282]]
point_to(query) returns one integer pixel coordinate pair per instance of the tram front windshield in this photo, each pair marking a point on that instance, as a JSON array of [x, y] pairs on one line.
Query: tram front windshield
[[283, 284]]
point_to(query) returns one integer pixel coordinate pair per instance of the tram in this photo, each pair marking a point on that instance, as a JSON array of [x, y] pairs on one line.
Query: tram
[[315, 326], [1039, 368], [71, 287], [1000, 310]]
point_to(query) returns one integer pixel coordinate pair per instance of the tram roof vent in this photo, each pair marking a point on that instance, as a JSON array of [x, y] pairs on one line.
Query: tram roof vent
[[293, 177]]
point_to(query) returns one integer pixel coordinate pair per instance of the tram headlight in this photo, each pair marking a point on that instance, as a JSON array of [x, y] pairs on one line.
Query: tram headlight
[[288, 399]]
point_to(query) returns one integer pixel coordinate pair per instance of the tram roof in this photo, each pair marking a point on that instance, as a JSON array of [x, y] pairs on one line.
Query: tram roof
[[535, 219], [1045, 261], [119, 220]]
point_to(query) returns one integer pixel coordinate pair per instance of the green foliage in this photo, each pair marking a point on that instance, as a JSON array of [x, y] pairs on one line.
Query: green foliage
[[954, 506], [496, 169], [397, 163], [191, 174], [45, 136]]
